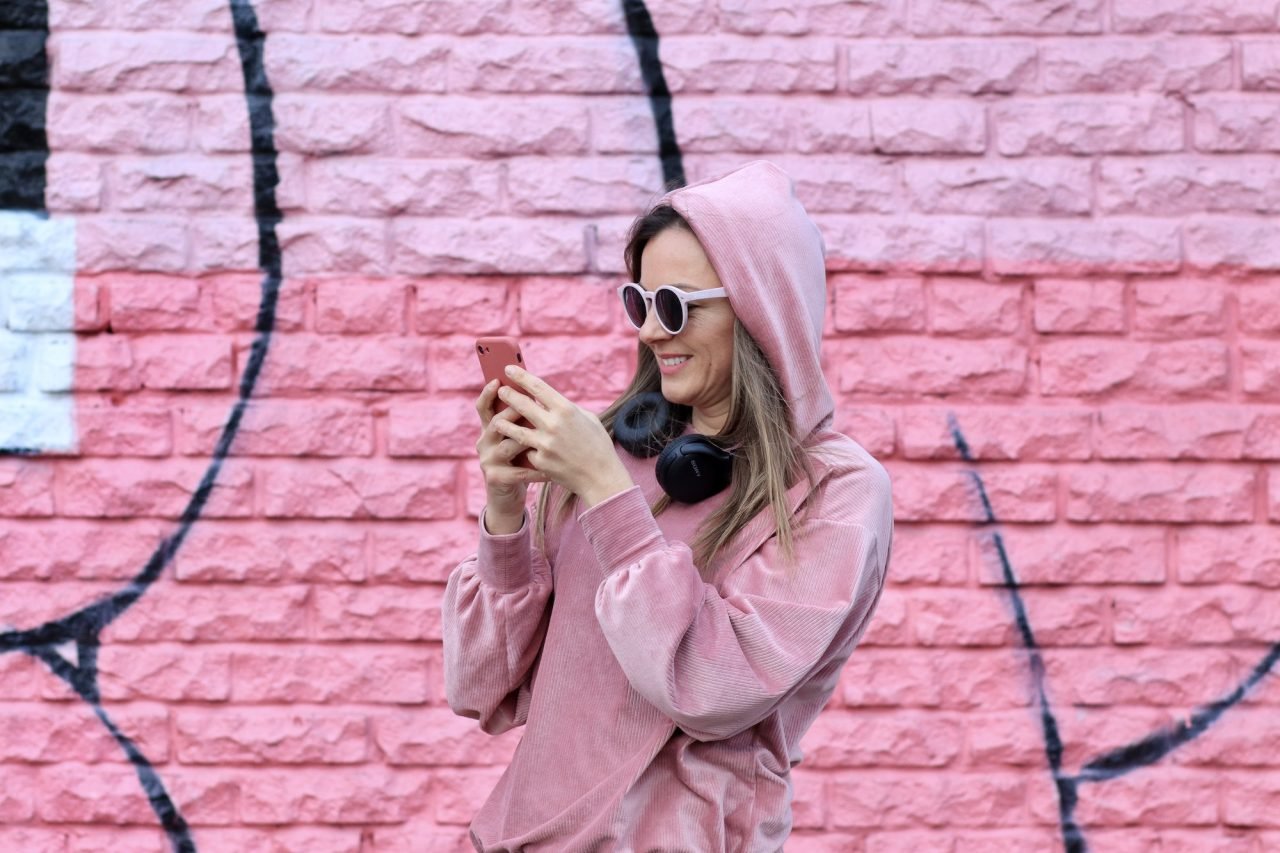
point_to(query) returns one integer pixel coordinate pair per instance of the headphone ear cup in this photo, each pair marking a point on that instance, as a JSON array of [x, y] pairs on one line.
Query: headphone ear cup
[[693, 468], [643, 424]]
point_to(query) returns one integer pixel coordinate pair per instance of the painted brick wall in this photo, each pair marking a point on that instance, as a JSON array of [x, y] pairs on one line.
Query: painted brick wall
[[1053, 259]]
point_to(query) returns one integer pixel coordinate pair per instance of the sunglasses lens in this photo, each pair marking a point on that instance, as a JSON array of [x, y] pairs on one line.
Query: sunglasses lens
[[633, 302], [667, 304]]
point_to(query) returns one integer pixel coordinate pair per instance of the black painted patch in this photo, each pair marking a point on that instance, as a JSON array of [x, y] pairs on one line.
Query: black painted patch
[[644, 36], [24, 100]]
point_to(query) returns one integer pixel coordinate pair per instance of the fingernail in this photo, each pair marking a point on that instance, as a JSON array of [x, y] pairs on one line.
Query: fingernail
[[512, 370]]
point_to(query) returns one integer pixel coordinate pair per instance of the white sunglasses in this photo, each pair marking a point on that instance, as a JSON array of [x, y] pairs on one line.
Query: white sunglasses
[[671, 304]]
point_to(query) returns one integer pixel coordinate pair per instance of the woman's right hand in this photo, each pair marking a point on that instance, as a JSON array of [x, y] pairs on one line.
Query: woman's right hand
[[506, 482]]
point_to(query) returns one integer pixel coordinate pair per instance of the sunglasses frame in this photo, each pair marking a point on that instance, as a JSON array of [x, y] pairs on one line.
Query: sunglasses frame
[[684, 296]]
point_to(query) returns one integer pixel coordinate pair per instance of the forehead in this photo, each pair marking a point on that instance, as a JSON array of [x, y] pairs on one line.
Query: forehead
[[675, 257]]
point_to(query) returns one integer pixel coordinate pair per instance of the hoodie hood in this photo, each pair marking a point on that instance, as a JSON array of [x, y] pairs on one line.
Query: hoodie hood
[[769, 257]]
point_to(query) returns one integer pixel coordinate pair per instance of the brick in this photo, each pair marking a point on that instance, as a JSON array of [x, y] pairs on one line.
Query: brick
[[1224, 16], [26, 488], [122, 122], [1253, 799], [281, 839], [120, 62], [483, 17], [35, 735], [1198, 616], [871, 428], [335, 244], [405, 837], [464, 127], [905, 366], [1260, 65], [1246, 122], [876, 303], [1243, 555], [113, 242], [278, 428], [421, 552], [336, 363], [484, 306], [437, 736], [975, 17], [928, 127], [899, 800], [824, 183], [1108, 676], [315, 125], [164, 672], [487, 246], [271, 552], [237, 300], [111, 795], [358, 489], [707, 124], [1188, 185], [215, 613], [1135, 65], [1182, 798], [183, 362], [1076, 306], [345, 673], [824, 17], [568, 306], [377, 613], [345, 64], [1230, 244], [1179, 309], [1027, 432], [1177, 432], [944, 244], [365, 795], [1037, 187], [598, 185], [30, 604], [981, 618], [1244, 743], [1083, 366], [433, 428], [1088, 126], [360, 307], [564, 65], [841, 739], [150, 303], [1259, 370], [939, 68], [1155, 492], [162, 488], [973, 308], [34, 839], [253, 736], [75, 182], [65, 549], [934, 493], [198, 15], [181, 182], [455, 793], [1063, 248], [929, 554], [808, 801], [375, 186], [221, 124], [725, 64], [1259, 307], [1004, 738], [889, 627]]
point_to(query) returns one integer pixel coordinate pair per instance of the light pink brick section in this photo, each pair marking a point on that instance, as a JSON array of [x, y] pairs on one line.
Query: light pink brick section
[[1048, 224]]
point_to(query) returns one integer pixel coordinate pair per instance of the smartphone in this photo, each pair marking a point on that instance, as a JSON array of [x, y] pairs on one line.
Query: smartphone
[[495, 354]]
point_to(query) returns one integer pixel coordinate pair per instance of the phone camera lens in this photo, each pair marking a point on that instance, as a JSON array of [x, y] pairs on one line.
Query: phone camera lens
[[519, 358]]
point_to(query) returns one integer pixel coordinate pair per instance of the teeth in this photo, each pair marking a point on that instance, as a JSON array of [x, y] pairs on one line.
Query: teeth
[[672, 362]]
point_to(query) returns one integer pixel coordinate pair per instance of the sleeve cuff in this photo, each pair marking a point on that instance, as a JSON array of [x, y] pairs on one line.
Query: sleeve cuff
[[621, 529], [505, 561]]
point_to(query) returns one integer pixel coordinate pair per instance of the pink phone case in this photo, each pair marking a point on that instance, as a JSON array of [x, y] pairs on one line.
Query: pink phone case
[[495, 353]]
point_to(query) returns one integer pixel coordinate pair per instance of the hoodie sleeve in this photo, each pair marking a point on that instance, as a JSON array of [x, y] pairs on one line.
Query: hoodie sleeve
[[495, 617], [718, 661]]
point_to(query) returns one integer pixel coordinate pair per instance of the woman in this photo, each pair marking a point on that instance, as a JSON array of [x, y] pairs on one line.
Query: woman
[[665, 691]]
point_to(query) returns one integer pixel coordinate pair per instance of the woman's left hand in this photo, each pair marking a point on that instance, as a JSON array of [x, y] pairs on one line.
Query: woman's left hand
[[569, 444]]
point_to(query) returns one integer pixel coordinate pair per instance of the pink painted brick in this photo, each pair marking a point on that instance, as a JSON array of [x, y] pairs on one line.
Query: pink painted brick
[[227, 613], [1179, 309], [315, 125], [345, 613], [36, 839], [308, 62], [890, 627], [75, 182], [973, 308], [131, 242], [181, 183], [412, 836], [841, 739], [482, 306], [935, 493], [872, 428], [906, 243], [1027, 432], [1177, 432], [279, 839], [464, 127], [1110, 676], [475, 17], [1260, 64], [437, 736], [1075, 306], [198, 15], [565, 65], [374, 186], [221, 124], [65, 549], [1259, 369], [1254, 799], [332, 244], [339, 363], [122, 122], [907, 366], [1246, 555], [878, 303], [223, 244], [606, 242], [1223, 16], [1181, 798], [725, 64], [1065, 248], [165, 672], [568, 306], [26, 487], [358, 489], [302, 736], [739, 124], [184, 362], [928, 127], [824, 183], [364, 795], [148, 303], [1247, 743], [1259, 306], [900, 800], [1004, 738], [979, 618], [808, 800], [278, 428], [1038, 187], [98, 62], [930, 554], [1231, 244], [959, 679], [486, 246], [1135, 65], [271, 552], [976, 17], [1199, 616], [438, 427], [348, 673], [1187, 185], [29, 604], [237, 299], [1155, 492], [940, 68], [916, 841], [34, 735], [422, 551], [17, 795], [162, 488], [573, 186], [825, 17], [1136, 124], [1246, 122], [360, 307], [1081, 367]]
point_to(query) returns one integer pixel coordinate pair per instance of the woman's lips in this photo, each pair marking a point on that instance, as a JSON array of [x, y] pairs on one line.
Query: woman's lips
[[668, 370]]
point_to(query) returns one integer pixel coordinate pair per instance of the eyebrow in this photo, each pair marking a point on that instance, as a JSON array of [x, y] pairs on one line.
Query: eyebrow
[[681, 285]]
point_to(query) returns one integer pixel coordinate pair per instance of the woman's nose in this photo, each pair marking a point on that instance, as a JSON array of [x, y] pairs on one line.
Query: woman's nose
[[651, 330]]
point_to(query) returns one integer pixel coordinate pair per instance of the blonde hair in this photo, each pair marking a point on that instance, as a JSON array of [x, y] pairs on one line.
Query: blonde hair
[[767, 458]]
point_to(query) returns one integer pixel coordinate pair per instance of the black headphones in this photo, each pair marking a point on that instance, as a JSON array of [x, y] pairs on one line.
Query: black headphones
[[691, 468]]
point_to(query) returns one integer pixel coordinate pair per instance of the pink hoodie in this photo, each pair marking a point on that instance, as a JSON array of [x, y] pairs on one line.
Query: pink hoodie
[[662, 712]]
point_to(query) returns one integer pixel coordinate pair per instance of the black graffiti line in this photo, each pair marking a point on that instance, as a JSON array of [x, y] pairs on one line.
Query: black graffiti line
[[645, 39], [85, 625]]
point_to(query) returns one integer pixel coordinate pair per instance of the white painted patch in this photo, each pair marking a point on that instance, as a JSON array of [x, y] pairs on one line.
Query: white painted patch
[[37, 346]]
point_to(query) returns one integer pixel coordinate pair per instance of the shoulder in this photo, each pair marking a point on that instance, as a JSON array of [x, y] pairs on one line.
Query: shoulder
[[853, 487]]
